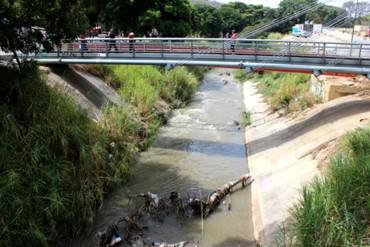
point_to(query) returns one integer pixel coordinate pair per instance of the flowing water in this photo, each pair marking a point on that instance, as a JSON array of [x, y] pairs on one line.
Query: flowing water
[[199, 150]]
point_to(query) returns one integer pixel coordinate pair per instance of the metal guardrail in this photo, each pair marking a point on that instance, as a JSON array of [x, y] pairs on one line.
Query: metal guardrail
[[213, 50], [194, 46]]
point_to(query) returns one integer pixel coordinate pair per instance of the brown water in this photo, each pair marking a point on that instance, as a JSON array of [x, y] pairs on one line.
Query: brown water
[[198, 151]]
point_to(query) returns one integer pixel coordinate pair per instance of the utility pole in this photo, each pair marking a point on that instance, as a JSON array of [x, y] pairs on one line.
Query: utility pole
[[354, 21], [353, 28]]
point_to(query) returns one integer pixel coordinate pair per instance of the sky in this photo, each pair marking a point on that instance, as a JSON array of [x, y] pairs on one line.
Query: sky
[[275, 3]]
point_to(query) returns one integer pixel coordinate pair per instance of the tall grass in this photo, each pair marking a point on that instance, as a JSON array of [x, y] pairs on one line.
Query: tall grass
[[143, 86], [56, 164], [334, 210], [287, 91]]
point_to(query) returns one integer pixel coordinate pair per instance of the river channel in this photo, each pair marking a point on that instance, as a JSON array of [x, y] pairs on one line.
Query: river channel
[[199, 150]]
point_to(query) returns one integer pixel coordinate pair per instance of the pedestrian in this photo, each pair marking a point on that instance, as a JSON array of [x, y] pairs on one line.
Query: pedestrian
[[112, 40], [83, 44], [131, 41], [155, 33], [234, 37], [227, 35]]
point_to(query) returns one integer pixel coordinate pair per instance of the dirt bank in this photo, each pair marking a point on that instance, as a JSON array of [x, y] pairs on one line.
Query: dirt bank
[[279, 152]]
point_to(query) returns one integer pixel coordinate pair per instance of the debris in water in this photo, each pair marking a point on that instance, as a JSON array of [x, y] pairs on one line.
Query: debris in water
[[157, 207]]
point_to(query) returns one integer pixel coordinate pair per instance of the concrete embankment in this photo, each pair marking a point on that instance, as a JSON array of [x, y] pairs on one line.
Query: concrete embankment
[[280, 153], [90, 92]]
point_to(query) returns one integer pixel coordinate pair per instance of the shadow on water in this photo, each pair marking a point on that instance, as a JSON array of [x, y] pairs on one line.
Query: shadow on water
[[201, 146]]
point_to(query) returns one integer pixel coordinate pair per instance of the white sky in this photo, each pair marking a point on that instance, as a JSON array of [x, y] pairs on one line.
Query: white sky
[[275, 3]]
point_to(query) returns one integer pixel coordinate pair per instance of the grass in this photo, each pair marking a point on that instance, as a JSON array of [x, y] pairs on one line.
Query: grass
[[246, 119], [283, 91], [57, 164], [334, 210]]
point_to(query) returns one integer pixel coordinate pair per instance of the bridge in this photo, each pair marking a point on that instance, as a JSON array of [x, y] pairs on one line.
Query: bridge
[[249, 54]]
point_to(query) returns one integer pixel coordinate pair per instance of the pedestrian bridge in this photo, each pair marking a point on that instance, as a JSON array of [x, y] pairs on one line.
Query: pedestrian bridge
[[249, 54]]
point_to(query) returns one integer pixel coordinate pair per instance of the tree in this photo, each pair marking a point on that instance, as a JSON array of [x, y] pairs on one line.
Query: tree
[[362, 9], [206, 20], [170, 17], [28, 26]]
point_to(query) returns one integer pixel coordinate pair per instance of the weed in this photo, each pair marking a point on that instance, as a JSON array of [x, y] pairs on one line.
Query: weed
[[247, 119]]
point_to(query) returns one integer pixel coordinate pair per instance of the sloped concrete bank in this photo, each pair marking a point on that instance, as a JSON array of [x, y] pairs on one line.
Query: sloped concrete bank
[[280, 153], [89, 91]]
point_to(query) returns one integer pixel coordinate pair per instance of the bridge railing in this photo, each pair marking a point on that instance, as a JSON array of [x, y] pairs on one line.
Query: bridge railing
[[196, 47]]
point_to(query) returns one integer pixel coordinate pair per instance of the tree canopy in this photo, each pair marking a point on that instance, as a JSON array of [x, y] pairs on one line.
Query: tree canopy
[[25, 25]]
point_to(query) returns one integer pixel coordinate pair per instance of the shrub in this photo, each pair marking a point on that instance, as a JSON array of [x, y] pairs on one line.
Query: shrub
[[288, 91]]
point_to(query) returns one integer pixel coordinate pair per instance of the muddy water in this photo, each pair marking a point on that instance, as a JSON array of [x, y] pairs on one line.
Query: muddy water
[[199, 150]]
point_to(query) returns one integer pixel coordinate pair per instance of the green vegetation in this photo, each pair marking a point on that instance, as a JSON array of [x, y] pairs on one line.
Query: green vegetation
[[275, 36], [334, 210], [287, 91], [57, 164], [247, 119]]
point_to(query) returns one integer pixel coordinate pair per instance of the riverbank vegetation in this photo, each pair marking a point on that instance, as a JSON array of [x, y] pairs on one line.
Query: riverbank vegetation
[[334, 209], [288, 92], [152, 91], [57, 164]]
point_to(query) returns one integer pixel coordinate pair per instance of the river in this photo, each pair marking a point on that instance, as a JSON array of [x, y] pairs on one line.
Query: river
[[198, 151]]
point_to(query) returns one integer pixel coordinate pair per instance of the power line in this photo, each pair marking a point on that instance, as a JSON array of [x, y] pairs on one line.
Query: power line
[[279, 21]]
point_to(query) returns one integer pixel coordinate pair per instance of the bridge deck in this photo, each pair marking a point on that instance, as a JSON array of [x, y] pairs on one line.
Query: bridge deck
[[251, 53]]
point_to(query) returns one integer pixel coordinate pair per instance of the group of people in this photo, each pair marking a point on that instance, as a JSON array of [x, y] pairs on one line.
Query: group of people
[[111, 41]]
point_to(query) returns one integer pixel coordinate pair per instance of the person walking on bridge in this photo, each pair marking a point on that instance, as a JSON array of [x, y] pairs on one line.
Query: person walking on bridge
[[131, 41], [83, 44], [234, 37], [112, 40]]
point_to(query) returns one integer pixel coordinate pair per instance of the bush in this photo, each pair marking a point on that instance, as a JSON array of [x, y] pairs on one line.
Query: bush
[[275, 36], [288, 91], [334, 210]]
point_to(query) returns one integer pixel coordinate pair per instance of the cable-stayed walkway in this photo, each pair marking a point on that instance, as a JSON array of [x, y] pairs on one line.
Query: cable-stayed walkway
[[251, 54]]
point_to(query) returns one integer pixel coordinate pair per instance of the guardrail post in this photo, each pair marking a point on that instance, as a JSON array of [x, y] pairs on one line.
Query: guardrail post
[[162, 55], [359, 54], [107, 49], [192, 49], [223, 49], [289, 51], [134, 49], [255, 48], [170, 44], [324, 53]]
